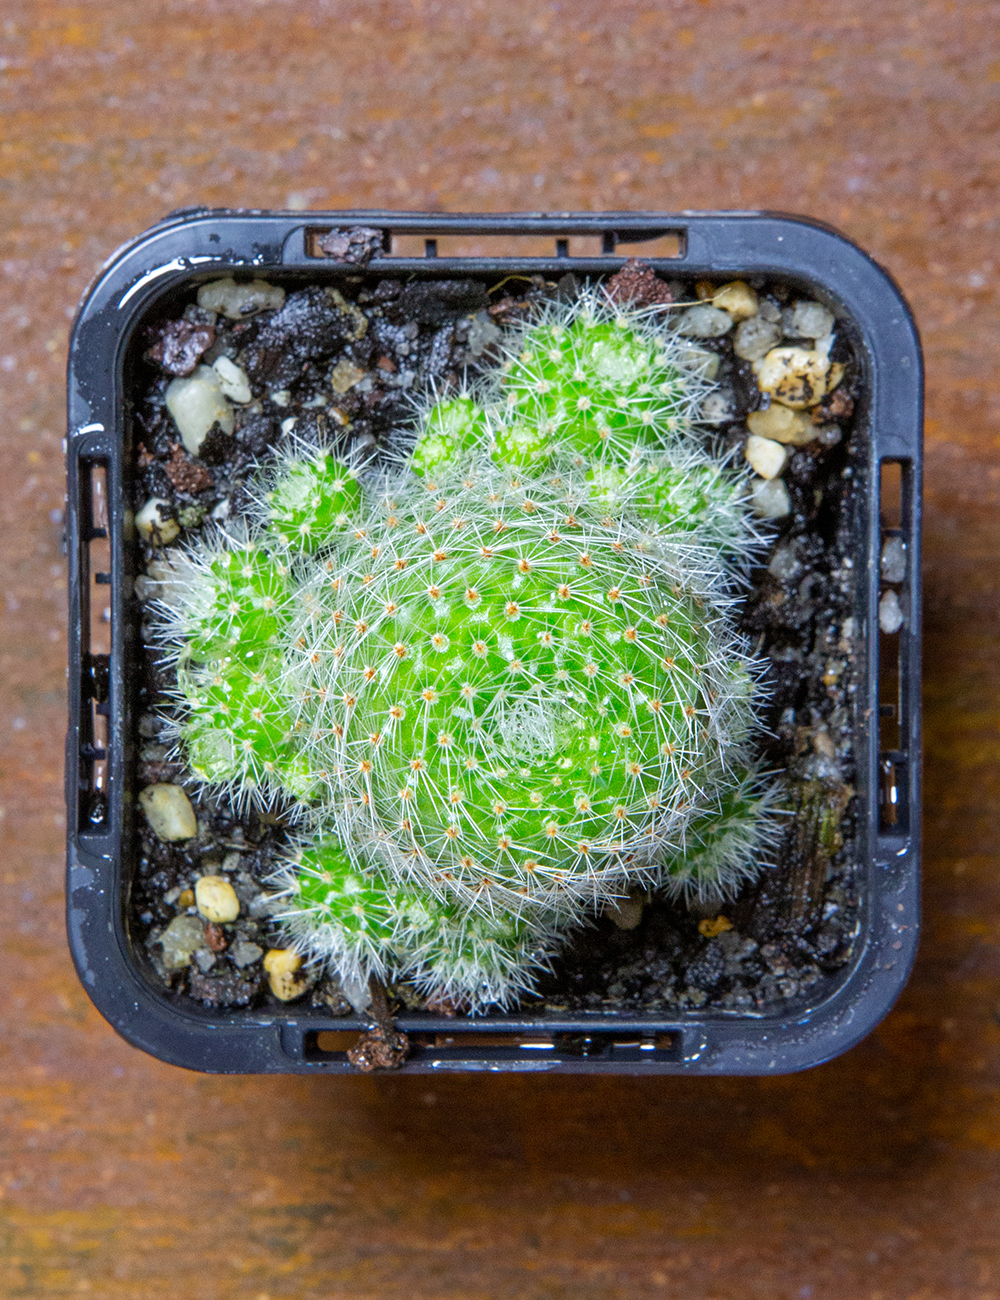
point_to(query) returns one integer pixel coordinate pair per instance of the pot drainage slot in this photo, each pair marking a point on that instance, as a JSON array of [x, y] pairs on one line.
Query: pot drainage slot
[[95, 621], [448, 1046], [652, 244], [895, 644]]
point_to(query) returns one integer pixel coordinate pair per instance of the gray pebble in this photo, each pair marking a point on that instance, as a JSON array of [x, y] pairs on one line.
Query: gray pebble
[[704, 322], [756, 337], [204, 959], [244, 953], [894, 559], [811, 320], [890, 616], [785, 564], [180, 939]]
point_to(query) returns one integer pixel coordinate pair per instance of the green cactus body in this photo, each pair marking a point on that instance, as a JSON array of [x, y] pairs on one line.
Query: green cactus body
[[598, 379], [503, 691], [363, 921], [313, 497], [523, 700]]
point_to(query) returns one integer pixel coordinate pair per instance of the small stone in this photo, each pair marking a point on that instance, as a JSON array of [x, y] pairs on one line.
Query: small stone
[[716, 409], [769, 311], [155, 524], [793, 376], [280, 397], [483, 333], [344, 375], [704, 322], [215, 936], [712, 929], [890, 616], [785, 564], [197, 405], [185, 899], [893, 562], [233, 381], [811, 320], [828, 435], [357, 245], [237, 301], [626, 913], [282, 966], [736, 298], [755, 337], [204, 959], [765, 456], [168, 811], [782, 424], [770, 499], [837, 405], [182, 937], [244, 953], [216, 899]]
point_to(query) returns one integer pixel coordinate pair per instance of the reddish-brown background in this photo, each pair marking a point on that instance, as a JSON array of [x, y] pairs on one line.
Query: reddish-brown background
[[876, 1176]]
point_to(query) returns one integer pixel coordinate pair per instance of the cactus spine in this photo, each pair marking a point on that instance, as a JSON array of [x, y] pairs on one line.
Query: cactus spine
[[501, 686]]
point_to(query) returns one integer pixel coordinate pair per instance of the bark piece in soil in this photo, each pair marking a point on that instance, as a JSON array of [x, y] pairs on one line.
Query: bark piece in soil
[[358, 245], [179, 346], [383, 1047], [638, 285], [187, 475], [227, 990], [309, 327]]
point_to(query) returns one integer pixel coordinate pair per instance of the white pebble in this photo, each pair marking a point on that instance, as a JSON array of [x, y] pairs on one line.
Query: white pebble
[[770, 499], [168, 811], [288, 425], [890, 616], [232, 380], [770, 310], [811, 320], [716, 409], [794, 376], [154, 523], [704, 322], [216, 899], [182, 937], [755, 338], [280, 397], [238, 301], [765, 456], [196, 405], [893, 562]]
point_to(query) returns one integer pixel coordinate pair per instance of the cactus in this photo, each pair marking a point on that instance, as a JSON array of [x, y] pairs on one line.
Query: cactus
[[499, 687]]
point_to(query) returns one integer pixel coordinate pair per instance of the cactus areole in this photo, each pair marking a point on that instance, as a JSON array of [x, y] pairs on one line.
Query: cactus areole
[[499, 683]]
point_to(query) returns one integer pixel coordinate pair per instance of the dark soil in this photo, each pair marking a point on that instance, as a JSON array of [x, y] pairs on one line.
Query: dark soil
[[782, 934]]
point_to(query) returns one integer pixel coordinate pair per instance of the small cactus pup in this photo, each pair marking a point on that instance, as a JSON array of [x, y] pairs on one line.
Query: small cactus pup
[[344, 911], [526, 701], [223, 620], [609, 398]]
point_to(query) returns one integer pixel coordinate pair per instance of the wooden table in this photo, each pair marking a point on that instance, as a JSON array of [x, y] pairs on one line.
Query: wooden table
[[875, 1176]]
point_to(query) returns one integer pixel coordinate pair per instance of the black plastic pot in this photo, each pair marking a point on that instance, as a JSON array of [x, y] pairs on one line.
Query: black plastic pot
[[100, 761]]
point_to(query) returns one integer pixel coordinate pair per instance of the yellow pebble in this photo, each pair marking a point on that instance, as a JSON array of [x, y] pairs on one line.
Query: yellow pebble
[[794, 376], [282, 965], [737, 298], [712, 928], [216, 899], [782, 424]]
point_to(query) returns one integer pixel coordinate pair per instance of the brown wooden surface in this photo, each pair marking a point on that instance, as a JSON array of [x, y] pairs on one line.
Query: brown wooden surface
[[875, 1176]]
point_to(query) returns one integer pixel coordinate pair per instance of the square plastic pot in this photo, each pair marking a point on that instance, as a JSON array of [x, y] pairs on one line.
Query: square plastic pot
[[101, 762]]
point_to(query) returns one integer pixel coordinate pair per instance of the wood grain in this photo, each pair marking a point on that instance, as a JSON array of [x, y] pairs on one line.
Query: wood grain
[[875, 1176]]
